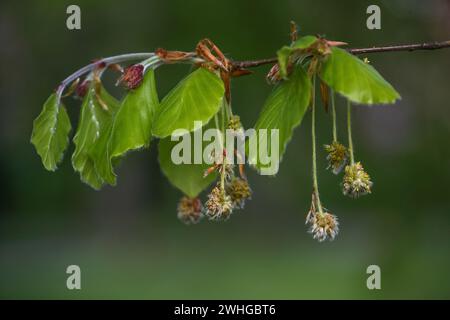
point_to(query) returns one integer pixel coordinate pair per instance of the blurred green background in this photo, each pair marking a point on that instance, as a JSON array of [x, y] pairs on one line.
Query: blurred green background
[[128, 241]]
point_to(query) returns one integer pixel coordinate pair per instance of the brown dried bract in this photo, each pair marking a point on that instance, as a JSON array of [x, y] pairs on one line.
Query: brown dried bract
[[173, 56], [205, 49], [325, 95], [73, 87], [116, 67], [294, 31], [273, 76], [98, 91]]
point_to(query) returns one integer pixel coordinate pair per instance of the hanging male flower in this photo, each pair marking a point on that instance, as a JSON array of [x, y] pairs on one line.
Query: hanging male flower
[[235, 123], [337, 156], [190, 210], [323, 225], [239, 190], [356, 181], [219, 204]]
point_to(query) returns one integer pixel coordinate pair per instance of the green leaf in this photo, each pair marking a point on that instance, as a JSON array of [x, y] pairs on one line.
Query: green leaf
[[283, 110], [304, 42], [134, 119], [356, 80], [285, 52], [283, 59], [196, 98], [100, 155], [50, 134], [130, 128], [186, 177], [94, 121]]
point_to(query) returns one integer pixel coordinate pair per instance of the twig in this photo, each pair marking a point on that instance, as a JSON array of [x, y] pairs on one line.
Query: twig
[[105, 61], [406, 47], [242, 64], [356, 51]]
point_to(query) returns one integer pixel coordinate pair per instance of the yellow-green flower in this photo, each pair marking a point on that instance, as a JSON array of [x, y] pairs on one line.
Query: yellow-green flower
[[219, 204], [337, 156], [234, 123], [239, 190], [356, 181]]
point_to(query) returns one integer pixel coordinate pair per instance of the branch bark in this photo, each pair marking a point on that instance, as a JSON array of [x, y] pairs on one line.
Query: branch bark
[[356, 51]]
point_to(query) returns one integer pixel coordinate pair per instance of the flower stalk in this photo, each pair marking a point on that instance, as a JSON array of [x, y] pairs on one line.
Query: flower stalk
[[349, 131], [333, 115], [314, 158], [356, 181]]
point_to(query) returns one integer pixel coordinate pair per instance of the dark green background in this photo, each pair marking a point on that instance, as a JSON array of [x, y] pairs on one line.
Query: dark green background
[[128, 241]]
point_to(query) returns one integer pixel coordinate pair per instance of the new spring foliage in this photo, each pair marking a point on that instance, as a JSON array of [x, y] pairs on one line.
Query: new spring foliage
[[107, 130]]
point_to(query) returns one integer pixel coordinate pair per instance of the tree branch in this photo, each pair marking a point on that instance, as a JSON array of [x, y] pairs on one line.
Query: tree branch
[[356, 51], [406, 47]]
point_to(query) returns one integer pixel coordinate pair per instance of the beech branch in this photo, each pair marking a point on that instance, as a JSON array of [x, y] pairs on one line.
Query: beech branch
[[104, 62], [356, 51]]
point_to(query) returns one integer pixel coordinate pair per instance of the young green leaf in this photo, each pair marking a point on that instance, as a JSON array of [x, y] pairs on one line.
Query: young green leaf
[[196, 98], [285, 52], [50, 134], [189, 178], [283, 59], [356, 80], [130, 128], [100, 155], [304, 42], [94, 121], [133, 121], [283, 110]]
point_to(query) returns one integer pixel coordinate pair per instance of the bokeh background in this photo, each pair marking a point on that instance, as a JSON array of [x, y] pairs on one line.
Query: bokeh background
[[128, 241]]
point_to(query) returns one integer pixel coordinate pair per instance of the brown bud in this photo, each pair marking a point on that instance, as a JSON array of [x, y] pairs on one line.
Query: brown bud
[[274, 74]]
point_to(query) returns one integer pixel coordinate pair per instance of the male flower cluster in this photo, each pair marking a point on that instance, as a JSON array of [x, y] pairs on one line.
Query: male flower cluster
[[356, 181], [190, 210], [337, 156]]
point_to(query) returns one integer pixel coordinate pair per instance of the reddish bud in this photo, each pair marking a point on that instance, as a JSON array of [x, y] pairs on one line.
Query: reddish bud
[[82, 88], [132, 76], [101, 65]]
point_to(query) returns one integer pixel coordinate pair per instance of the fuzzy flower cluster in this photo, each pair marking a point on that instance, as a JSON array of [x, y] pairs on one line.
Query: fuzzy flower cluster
[[239, 191], [337, 156], [190, 210], [227, 195], [223, 199], [235, 123], [323, 226], [219, 205], [356, 181]]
